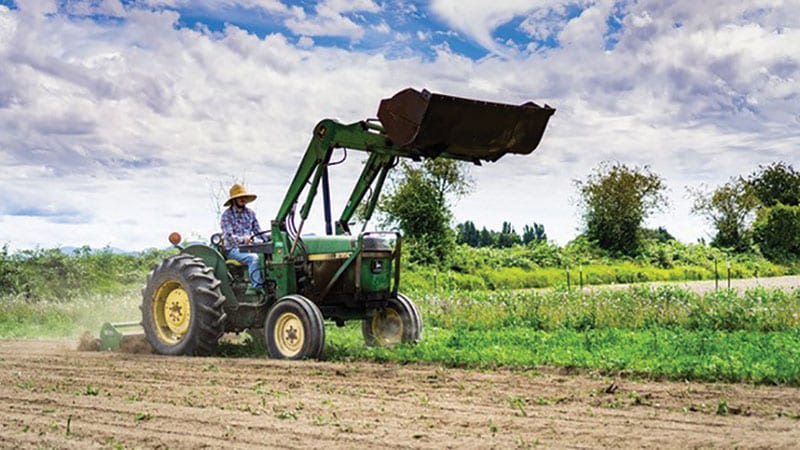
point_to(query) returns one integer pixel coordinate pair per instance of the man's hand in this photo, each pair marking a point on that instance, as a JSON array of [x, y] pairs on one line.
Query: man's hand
[[248, 240]]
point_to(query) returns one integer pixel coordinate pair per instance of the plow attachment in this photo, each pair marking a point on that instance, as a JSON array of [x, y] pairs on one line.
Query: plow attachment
[[116, 335], [444, 126]]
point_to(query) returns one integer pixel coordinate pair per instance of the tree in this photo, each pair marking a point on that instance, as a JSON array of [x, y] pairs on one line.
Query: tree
[[466, 233], [730, 209], [417, 202], [533, 233], [487, 238], [777, 231], [776, 183], [507, 237], [616, 199]]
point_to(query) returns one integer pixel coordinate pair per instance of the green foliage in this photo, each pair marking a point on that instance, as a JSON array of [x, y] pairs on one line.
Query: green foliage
[[729, 208], [776, 183], [777, 232], [467, 233], [707, 355], [417, 203], [633, 308], [616, 199], [51, 275], [544, 264], [665, 332], [25, 318]]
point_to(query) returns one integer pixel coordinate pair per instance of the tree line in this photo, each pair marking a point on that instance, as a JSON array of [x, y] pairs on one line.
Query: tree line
[[758, 212], [467, 233]]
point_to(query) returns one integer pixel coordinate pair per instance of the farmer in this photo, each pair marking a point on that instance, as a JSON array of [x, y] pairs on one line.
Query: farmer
[[239, 225]]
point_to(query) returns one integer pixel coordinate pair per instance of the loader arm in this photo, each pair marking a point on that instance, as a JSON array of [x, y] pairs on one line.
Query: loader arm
[[412, 125]]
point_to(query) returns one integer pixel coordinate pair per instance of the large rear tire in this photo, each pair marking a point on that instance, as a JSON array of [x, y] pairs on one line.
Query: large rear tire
[[399, 322], [294, 329], [182, 310]]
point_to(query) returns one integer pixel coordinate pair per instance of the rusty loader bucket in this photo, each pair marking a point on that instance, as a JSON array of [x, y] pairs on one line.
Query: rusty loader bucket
[[445, 126]]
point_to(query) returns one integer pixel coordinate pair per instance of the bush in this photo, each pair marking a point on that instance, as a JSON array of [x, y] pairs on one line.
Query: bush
[[777, 232], [51, 275]]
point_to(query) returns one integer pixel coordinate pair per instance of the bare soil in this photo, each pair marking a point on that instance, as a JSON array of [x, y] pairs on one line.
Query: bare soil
[[54, 396]]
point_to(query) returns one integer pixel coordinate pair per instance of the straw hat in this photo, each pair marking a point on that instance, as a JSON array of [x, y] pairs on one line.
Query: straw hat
[[238, 191]]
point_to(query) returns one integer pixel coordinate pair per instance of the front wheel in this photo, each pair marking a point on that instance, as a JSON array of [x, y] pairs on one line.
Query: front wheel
[[399, 322], [294, 329]]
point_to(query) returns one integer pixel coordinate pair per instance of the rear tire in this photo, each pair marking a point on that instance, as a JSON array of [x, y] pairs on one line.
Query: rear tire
[[182, 310], [399, 322], [294, 329]]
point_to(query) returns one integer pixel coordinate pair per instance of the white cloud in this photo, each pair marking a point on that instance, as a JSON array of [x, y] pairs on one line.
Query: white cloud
[[111, 8], [305, 42], [115, 132], [329, 19], [478, 20]]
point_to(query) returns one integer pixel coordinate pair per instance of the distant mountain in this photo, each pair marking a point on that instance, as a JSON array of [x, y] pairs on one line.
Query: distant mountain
[[69, 250]]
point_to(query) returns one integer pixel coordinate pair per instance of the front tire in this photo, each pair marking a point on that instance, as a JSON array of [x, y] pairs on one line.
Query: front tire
[[294, 329], [182, 310], [399, 322]]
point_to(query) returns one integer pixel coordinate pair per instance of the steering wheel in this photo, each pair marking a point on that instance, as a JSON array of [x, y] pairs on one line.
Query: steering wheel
[[265, 236]]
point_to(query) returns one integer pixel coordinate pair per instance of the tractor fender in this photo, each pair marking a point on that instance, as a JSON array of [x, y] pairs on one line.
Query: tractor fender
[[216, 261]]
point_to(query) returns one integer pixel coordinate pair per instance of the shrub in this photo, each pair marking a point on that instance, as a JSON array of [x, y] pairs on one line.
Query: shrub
[[777, 232]]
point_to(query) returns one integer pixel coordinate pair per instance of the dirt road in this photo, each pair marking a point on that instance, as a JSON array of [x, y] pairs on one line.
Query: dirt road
[[54, 396], [786, 283]]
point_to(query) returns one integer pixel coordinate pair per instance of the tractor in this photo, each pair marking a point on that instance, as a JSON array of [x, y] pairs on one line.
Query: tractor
[[192, 298]]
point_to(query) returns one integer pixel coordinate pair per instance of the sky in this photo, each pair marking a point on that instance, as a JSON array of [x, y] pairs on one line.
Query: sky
[[121, 121]]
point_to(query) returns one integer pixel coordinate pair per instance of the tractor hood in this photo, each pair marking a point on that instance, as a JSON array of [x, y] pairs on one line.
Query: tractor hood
[[444, 126]]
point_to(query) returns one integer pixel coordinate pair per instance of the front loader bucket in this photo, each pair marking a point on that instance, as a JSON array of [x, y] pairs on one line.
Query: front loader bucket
[[444, 126]]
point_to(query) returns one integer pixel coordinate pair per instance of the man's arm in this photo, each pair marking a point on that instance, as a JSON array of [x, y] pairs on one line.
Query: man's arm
[[255, 228]]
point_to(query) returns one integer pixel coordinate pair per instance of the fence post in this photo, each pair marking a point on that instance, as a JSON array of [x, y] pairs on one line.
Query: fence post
[[716, 275], [728, 263], [569, 288]]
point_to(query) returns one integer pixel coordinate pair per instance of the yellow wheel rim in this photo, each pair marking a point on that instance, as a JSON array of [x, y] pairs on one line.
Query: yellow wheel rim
[[289, 335], [387, 327], [172, 312]]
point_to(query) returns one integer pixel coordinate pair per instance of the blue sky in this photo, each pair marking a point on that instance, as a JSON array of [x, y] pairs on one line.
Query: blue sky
[[123, 121]]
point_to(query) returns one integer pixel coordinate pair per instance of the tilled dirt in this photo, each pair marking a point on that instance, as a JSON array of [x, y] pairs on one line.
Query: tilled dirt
[[54, 396]]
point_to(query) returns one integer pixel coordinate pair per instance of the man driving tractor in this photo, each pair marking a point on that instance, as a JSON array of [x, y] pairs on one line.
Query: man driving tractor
[[239, 225]]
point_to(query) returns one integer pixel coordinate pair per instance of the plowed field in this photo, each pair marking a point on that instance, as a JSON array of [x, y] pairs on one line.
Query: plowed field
[[53, 396]]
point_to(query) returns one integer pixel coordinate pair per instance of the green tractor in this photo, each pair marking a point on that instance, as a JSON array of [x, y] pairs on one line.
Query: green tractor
[[193, 298]]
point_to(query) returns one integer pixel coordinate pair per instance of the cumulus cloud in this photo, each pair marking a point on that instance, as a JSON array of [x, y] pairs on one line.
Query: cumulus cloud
[[119, 131], [330, 19]]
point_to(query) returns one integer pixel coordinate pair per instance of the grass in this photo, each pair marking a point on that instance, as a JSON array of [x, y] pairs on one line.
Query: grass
[[21, 318], [739, 356], [633, 308], [662, 332]]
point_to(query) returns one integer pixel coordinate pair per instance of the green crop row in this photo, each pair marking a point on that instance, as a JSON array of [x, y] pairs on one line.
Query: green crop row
[[707, 355]]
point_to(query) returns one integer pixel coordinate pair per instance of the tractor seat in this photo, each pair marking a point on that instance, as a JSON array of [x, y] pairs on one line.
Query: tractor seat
[[233, 262]]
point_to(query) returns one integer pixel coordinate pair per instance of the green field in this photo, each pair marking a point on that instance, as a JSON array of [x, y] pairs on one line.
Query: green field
[[645, 332]]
